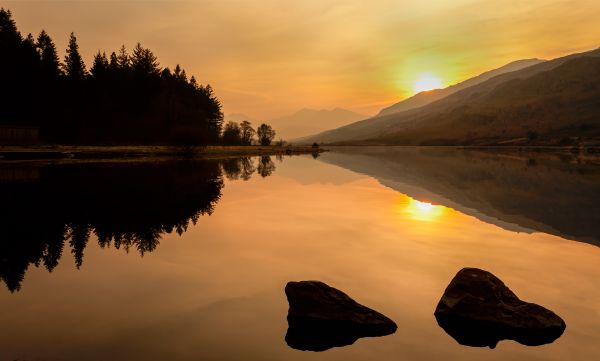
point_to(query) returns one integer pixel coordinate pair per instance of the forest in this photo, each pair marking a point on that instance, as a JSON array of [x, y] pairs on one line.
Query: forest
[[124, 97]]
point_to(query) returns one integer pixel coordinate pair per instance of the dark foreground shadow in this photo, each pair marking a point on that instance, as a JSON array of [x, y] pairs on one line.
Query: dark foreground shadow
[[321, 317], [478, 310]]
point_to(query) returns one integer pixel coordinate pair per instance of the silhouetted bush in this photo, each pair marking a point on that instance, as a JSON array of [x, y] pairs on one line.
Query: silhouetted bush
[[266, 134], [232, 134]]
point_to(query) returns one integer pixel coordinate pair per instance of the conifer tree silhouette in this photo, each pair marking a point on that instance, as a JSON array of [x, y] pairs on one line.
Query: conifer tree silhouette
[[48, 55], [74, 67]]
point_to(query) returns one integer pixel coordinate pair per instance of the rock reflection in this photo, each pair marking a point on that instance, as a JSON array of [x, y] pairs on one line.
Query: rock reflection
[[123, 205], [479, 310], [321, 317]]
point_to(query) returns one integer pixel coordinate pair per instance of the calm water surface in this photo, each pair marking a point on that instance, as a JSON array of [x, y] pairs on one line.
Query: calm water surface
[[188, 260]]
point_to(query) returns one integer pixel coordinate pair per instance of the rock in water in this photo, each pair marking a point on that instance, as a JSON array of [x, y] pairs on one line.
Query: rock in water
[[477, 309], [321, 317]]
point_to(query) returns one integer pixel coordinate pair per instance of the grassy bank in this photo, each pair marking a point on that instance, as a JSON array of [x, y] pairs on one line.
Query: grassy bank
[[120, 152]]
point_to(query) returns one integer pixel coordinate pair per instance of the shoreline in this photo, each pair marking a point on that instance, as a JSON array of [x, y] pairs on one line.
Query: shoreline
[[64, 153], [591, 149], [81, 153]]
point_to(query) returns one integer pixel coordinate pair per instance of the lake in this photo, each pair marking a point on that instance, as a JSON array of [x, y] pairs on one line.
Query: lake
[[188, 260]]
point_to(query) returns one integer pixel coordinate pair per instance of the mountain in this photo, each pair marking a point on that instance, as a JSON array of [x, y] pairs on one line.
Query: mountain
[[309, 121], [238, 118], [553, 102], [520, 191], [427, 97]]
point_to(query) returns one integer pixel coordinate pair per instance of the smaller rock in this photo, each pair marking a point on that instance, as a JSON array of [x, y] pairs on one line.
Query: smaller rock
[[321, 317], [478, 309]]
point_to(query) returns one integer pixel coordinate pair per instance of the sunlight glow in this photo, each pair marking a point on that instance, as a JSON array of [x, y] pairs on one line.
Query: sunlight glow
[[424, 206], [427, 81], [424, 211]]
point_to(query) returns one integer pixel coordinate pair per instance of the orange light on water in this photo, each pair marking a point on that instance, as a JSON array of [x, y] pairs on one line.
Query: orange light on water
[[424, 206], [424, 211]]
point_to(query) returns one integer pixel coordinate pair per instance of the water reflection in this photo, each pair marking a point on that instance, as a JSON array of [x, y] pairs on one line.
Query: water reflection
[[215, 293], [124, 205], [423, 211], [266, 167], [321, 317], [519, 191], [238, 168], [479, 310]]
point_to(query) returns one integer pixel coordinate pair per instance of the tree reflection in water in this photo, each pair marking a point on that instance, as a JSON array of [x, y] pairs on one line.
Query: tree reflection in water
[[123, 205]]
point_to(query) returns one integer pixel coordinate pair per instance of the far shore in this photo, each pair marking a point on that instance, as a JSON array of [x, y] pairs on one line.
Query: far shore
[[593, 149], [67, 152], [70, 153]]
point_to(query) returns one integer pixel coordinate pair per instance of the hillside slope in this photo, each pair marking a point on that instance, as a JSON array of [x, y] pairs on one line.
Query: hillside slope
[[556, 107], [428, 97], [544, 103]]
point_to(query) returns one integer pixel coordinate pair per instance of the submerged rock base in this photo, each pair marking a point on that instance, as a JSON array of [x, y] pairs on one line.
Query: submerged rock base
[[478, 309], [321, 317]]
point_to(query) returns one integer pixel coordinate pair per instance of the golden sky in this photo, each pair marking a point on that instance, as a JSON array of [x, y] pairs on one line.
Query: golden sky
[[272, 57]]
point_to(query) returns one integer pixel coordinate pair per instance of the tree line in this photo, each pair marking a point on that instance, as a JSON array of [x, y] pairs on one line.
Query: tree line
[[243, 133], [124, 97]]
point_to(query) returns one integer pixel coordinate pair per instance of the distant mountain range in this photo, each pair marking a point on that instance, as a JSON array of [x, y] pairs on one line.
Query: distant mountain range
[[304, 122], [554, 102], [239, 117]]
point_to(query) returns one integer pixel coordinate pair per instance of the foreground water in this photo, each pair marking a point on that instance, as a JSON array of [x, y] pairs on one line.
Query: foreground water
[[188, 260]]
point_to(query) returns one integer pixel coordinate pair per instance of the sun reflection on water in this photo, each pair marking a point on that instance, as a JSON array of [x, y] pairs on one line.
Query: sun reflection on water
[[423, 211]]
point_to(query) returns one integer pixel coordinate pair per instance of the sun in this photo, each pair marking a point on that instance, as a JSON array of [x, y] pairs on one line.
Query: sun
[[427, 81]]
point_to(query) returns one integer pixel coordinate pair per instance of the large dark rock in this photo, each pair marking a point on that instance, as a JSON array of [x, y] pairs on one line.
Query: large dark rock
[[321, 317], [477, 309]]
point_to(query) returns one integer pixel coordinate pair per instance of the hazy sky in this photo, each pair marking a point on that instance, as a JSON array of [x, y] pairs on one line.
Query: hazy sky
[[272, 57]]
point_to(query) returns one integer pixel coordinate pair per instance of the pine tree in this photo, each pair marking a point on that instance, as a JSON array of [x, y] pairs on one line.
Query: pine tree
[[9, 35], [166, 73], [29, 44], [213, 109], [100, 65], [193, 82], [113, 64], [48, 55], [123, 59], [10, 47], [17, 71], [180, 73], [29, 60], [143, 61], [74, 67]]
